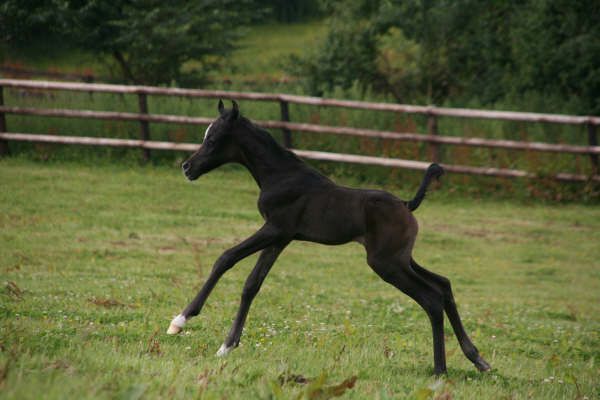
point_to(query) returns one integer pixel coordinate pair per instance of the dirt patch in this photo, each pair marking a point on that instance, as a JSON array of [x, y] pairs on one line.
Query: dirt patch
[[167, 250]]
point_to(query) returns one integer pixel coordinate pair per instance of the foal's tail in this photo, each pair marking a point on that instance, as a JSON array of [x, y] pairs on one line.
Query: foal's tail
[[434, 171]]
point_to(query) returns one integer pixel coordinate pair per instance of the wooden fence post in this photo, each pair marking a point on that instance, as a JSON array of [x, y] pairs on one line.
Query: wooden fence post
[[3, 143], [432, 129], [144, 125], [593, 141], [285, 117]]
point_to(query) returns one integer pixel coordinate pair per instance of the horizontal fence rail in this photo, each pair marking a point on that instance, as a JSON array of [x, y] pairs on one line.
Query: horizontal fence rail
[[315, 155], [413, 137], [432, 137], [307, 100]]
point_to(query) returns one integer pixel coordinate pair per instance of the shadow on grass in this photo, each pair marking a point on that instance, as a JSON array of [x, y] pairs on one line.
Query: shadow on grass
[[494, 375], [425, 371]]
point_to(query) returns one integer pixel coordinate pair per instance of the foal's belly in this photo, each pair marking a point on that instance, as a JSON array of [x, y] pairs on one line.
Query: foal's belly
[[335, 217], [328, 237]]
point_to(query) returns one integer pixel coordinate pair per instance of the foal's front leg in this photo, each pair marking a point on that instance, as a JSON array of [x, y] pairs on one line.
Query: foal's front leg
[[264, 237], [251, 288]]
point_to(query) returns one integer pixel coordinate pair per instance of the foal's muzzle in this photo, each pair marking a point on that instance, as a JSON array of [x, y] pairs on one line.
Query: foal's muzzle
[[187, 170]]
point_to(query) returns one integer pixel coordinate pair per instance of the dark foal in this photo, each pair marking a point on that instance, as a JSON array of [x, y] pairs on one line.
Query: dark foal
[[298, 203]]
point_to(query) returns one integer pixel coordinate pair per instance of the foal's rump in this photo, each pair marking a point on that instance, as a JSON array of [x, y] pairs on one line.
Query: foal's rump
[[391, 228]]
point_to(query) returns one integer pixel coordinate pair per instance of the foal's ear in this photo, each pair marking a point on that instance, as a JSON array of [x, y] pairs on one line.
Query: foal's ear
[[221, 107], [235, 111]]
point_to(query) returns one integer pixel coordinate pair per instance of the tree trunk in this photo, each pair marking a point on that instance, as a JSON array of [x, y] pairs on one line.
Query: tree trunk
[[124, 67]]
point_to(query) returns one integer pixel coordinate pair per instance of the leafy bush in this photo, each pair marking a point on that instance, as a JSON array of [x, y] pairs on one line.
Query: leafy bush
[[432, 52]]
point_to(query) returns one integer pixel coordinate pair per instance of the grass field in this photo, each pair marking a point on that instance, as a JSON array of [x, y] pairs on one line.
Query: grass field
[[264, 50], [96, 260]]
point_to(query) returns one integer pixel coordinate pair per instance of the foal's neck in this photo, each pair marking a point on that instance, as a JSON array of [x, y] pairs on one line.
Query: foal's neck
[[266, 160]]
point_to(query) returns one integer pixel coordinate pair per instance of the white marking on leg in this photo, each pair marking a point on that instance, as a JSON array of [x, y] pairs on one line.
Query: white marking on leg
[[176, 325], [223, 350], [206, 133]]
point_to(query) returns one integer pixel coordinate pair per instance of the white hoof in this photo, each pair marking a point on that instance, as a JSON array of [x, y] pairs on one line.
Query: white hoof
[[176, 325], [224, 350]]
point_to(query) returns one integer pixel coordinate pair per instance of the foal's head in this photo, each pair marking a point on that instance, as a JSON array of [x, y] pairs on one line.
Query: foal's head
[[219, 145]]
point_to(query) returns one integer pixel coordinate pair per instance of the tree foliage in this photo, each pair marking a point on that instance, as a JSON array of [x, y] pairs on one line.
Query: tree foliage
[[292, 10], [434, 50], [24, 20], [152, 41]]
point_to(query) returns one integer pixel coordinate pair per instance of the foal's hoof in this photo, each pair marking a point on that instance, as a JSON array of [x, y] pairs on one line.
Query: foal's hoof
[[176, 325], [224, 350], [173, 330], [482, 365]]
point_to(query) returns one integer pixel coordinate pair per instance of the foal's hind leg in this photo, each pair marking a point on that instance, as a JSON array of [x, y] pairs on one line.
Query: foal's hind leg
[[400, 274], [465, 342], [251, 288]]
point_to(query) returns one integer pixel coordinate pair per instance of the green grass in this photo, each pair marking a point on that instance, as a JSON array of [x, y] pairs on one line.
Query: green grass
[[54, 56], [263, 50], [96, 260]]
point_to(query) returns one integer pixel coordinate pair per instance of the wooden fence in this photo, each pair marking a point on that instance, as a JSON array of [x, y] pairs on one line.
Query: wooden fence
[[432, 136]]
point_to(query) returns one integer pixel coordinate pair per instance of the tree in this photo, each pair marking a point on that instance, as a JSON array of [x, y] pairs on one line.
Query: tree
[[152, 41], [23, 20]]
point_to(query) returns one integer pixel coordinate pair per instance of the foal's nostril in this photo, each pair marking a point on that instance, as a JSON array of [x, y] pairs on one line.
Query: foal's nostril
[[185, 165]]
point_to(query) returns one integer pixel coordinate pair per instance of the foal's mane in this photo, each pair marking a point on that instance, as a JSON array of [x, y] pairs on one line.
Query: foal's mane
[[259, 141]]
